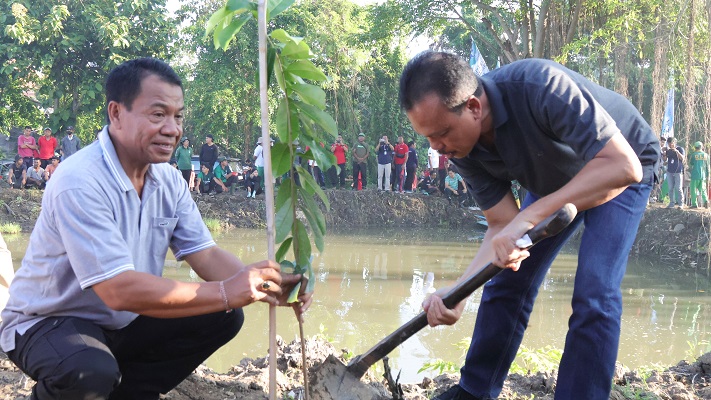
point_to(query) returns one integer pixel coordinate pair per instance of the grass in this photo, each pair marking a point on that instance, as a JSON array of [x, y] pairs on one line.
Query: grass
[[214, 225], [10, 228]]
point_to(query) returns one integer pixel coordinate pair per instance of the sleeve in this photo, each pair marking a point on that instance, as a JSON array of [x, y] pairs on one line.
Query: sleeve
[[486, 189], [95, 247]]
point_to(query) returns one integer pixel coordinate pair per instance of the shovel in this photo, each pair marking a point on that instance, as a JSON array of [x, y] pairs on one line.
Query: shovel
[[340, 375]]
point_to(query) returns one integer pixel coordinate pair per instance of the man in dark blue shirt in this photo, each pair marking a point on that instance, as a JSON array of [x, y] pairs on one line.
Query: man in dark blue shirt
[[566, 140], [674, 157]]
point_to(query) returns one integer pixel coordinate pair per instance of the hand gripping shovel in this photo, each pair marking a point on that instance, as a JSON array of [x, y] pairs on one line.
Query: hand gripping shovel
[[340, 379]]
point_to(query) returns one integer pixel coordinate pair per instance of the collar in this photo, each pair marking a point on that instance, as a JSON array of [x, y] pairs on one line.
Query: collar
[[112, 162], [496, 102]]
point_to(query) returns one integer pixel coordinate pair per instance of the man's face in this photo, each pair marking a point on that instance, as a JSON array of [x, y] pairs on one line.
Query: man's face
[[208, 140], [204, 170], [361, 139], [27, 132], [150, 130], [36, 163], [47, 132], [451, 133], [400, 140], [339, 138], [19, 162], [223, 163], [55, 162]]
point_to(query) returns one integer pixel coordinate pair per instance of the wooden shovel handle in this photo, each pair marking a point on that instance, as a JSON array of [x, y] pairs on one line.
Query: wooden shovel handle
[[551, 226]]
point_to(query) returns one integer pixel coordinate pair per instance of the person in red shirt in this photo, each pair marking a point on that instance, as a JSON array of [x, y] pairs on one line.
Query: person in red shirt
[[47, 145], [26, 147], [339, 149], [401, 151]]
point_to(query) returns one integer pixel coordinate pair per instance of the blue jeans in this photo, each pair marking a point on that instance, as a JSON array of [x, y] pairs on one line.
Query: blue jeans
[[588, 362], [676, 192]]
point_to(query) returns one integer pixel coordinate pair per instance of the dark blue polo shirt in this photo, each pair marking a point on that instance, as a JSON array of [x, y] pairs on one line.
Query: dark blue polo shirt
[[549, 122]]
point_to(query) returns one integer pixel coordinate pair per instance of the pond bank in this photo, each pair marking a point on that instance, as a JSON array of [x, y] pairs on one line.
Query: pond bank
[[679, 238]]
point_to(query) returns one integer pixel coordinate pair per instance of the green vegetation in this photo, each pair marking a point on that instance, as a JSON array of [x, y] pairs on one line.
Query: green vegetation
[[215, 225], [10, 228], [536, 360]]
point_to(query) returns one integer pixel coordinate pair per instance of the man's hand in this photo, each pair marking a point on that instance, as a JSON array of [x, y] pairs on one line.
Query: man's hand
[[304, 299], [507, 254], [438, 313], [255, 282]]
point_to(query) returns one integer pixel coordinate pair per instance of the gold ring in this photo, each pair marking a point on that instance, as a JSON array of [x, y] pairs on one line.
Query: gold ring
[[266, 285]]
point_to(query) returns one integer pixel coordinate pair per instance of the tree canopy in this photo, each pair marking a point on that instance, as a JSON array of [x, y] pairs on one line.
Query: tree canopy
[[55, 54]]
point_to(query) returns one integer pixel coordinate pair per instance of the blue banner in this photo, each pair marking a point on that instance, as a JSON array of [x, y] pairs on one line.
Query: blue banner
[[668, 121], [476, 61]]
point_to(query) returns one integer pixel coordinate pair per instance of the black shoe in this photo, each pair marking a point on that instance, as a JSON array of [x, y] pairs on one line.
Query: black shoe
[[456, 393]]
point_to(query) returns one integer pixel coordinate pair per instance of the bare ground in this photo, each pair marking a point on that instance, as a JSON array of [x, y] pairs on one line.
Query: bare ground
[[250, 381]]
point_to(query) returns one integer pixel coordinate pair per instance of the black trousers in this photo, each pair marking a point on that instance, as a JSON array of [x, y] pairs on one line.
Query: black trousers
[[362, 169], [72, 358], [410, 179], [186, 175]]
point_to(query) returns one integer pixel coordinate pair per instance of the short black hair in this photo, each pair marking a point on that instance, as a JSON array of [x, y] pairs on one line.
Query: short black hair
[[444, 74], [28, 127], [411, 142], [123, 84]]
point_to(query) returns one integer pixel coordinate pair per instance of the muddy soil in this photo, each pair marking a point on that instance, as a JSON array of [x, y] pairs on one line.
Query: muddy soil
[[250, 381], [679, 238]]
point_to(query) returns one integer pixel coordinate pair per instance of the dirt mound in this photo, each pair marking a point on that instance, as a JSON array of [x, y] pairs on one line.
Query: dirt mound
[[250, 380]]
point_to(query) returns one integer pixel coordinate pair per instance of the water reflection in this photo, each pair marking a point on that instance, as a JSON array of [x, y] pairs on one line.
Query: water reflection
[[372, 282]]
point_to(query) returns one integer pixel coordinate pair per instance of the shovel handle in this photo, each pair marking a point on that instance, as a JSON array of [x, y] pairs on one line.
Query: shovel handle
[[550, 226]]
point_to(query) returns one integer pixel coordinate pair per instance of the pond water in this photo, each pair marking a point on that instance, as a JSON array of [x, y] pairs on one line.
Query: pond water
[[370, 282]]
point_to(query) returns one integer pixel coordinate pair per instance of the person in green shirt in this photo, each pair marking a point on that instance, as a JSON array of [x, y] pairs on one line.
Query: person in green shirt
[[183, 155], [360, 161], [699, 168], [224, 178]]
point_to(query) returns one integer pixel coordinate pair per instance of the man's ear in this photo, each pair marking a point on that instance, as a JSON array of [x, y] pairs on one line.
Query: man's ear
[[475, 106], [114, 112]]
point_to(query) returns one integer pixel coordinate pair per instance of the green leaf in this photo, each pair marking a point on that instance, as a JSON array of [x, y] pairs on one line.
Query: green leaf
[[271, 56], [311, 280], [323, 119], [282, 126], [298, 51], [236, 5], [302, 253], [319, 221], [279, 74], [281, 159], [281, 35], [311, 94], [287, 266], [283, 248], [283, 194], [310, 185], [294, 294], [315, 230], [307, 70], [276, 7], [228, 33], [216, 18], [284, 220]]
